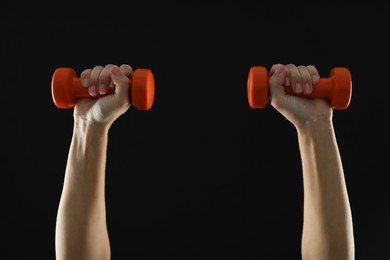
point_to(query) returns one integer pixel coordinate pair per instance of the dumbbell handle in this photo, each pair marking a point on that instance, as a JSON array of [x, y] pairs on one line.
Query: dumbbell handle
[[80, 91], [320, 90]]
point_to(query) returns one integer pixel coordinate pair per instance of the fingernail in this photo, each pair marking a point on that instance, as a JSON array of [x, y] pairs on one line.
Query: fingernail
[[298, 88], [115, 70], [314, 78], [92, 90], [287, 81], [279, 69], [85, 82], [307, 88], [102, 89]]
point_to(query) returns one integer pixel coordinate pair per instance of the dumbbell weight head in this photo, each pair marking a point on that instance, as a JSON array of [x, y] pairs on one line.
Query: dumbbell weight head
[[257, 87], [341, 92]]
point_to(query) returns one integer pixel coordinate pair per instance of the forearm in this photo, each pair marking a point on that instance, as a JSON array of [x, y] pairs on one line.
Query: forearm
[[327, 229], [81, 231]]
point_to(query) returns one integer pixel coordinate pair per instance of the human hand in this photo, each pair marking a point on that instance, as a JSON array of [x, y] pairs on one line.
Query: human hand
[[302, 79], [98, 80]]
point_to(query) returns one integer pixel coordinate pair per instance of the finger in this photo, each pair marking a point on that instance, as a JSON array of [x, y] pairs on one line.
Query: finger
[[295, 78], [277, 79], [287, 80], [94, 80], [315, 76], [126, 70], [84, 77], [104, 79], [306, 79], [122, 83], [273, 68]]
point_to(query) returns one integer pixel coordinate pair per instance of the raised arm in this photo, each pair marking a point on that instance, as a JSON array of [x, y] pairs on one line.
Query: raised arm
[[327, 227], [81, 231]]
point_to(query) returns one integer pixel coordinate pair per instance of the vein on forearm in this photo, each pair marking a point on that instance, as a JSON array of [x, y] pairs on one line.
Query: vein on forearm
[[87, 157]]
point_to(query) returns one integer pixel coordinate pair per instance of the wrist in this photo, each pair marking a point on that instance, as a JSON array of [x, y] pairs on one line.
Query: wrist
[[316, 124], [83, 126]]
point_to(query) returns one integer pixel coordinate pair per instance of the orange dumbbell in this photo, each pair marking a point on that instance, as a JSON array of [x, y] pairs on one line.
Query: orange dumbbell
[[66, 88], [337, 88]]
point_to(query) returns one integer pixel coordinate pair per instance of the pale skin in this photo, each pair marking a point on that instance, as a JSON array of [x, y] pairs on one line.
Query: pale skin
[[81, 231], [327, 220]]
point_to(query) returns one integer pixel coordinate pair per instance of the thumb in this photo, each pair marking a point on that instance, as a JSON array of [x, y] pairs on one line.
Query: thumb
[[121, 81]]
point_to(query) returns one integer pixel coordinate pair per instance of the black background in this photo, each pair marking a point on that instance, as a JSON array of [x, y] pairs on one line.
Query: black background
[[201, 175]]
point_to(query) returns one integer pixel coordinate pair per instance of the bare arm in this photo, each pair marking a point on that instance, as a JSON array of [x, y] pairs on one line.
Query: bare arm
[[81, 231], [327, 227]]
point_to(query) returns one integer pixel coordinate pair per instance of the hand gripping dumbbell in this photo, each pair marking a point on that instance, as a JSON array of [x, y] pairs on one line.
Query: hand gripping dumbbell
[[337, 88], [66, 88]]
